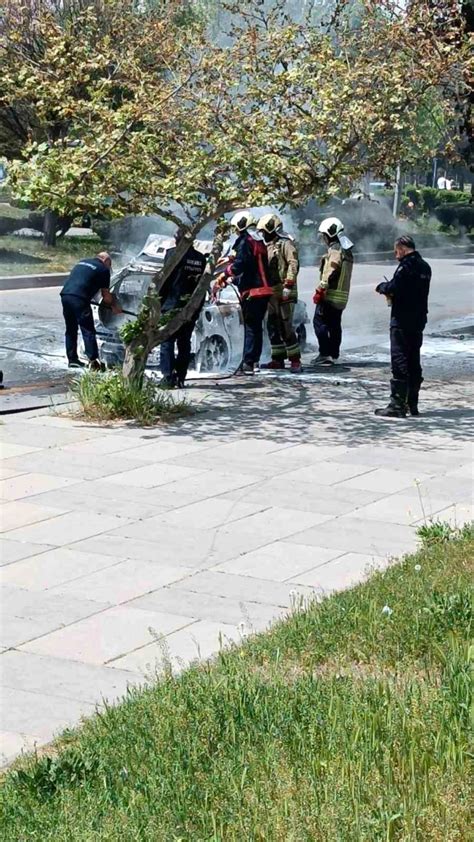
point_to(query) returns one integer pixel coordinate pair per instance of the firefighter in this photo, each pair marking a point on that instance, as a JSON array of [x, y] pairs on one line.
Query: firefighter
[[332, 293], [248, 270], [407, 293], [175, 352], [283, 266]]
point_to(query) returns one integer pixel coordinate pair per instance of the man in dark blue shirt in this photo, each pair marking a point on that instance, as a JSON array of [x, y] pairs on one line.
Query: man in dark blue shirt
[[408, 294], [88, 277]]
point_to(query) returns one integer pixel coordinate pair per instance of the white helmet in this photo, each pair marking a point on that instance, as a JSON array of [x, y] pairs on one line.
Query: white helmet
[[242, 220], [332, 227], [270, 223]]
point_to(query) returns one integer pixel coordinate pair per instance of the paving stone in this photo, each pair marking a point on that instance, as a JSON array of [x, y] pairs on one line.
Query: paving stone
[[242, 588], [327, 473], [29, 436], [108, 635], [296, 455], [12, 744], [307, 497], [56, 567], [275, 522], [384, 480], [8, 473], [76, 465], [11, 551], [123, 581], [63, 679], [458, 489], [161, 450], [465, 471], [9, 451], [278, 561], [342, 572], [185, 551], [27, 615], [65, 529], [38, 713], [195, 643], [203, 606], [151, 476], [17, 514], [360, 535], [416, 462], [211, 513], [101, 445], [80, 497], [201, 486], [27, 485], [457, 515], [401, 508]]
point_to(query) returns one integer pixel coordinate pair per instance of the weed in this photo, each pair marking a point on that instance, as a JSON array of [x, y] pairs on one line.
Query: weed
[[107, 397], [440, 532]]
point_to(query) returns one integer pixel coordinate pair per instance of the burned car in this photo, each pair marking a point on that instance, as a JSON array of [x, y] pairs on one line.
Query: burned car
[[218, 340]]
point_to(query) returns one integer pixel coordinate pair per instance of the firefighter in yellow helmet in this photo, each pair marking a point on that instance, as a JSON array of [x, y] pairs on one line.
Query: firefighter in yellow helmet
[[283, 267]]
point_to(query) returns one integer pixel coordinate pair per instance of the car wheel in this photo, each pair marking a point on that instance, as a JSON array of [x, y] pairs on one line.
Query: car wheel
[[213, 354]]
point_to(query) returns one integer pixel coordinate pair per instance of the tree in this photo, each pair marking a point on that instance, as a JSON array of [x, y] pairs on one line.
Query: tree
[[276, 112]]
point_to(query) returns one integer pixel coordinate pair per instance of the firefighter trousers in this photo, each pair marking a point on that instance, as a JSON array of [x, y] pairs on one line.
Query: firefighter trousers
[[281, 332]]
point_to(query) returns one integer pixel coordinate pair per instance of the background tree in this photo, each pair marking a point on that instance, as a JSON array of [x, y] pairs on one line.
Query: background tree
[[278, 111]]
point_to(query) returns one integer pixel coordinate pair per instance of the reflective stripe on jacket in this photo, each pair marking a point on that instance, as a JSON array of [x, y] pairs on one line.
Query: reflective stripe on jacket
[[336, 274]]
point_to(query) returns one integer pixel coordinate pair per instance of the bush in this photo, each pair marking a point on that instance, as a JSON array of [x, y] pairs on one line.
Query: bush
[[427, 199], [107, 397], [457, 216]]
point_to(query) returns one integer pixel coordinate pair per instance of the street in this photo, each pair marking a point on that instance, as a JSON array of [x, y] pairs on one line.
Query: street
[[31, 326]]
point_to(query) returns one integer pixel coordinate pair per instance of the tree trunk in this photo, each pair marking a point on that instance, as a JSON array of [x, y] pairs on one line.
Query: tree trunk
[[49, 228], [152, 333]]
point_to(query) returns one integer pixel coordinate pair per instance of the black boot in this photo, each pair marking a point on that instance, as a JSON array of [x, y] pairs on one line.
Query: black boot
[[413, 392], [397, 406]]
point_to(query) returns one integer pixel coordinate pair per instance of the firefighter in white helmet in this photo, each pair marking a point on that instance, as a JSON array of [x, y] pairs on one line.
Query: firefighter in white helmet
[[248, 270], [283, 266], [332, 293]]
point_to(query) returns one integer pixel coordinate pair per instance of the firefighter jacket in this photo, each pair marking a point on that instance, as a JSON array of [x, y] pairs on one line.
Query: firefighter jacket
[[283, 265], [336, 273], [183, 280], [249, 268], [409, 290]]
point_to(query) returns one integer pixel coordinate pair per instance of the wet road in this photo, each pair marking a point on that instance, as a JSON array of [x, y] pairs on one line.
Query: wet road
[[31, 325]]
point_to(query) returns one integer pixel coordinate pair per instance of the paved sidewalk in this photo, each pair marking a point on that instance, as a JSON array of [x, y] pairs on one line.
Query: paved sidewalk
[[123, 544]]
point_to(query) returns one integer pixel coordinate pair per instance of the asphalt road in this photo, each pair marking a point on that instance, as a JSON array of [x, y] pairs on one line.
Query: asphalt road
[[31, 325]]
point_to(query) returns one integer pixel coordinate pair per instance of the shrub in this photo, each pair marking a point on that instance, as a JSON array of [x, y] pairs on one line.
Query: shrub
[[456, 216], [107, 397]]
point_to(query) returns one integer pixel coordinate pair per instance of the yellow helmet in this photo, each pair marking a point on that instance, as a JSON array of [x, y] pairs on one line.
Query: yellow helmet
[[269, 222]]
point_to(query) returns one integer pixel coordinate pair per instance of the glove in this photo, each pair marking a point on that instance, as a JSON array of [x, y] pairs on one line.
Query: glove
[[318, 296], [285, 293], [379, 288], [221, 281]]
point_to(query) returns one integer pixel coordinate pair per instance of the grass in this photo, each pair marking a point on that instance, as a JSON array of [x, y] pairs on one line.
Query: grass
[[344, 722], [109, 397], [22, 256]]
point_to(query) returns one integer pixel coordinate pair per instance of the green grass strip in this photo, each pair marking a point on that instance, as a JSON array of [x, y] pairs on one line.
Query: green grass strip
[[346, 721]]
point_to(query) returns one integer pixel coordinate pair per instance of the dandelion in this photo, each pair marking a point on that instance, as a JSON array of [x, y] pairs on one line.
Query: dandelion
[[242, 629], [387, 610], [417, 567]]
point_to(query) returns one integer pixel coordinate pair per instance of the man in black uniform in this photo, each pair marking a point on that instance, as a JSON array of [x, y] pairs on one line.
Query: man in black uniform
[[86, 279], [174, 294], [408, 293]]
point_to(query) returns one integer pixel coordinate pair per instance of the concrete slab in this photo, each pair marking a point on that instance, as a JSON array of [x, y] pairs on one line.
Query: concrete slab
[[44, 715], [9, 451], [211, 513], [107, 636], [307, 497], [11, 551], [27, 615], [81, 497], [65, 529], [122, 581], [151, 476], [401, 508], [279, 561], [432, 462], [13, 744], [53, 568], [219, 609], [15, 515], [195, 643], [27, 485], [385, 480], [360, 535], [242, 588], [75, 465], [342, 572], [63, 679], [182, 552], [327, 473]]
